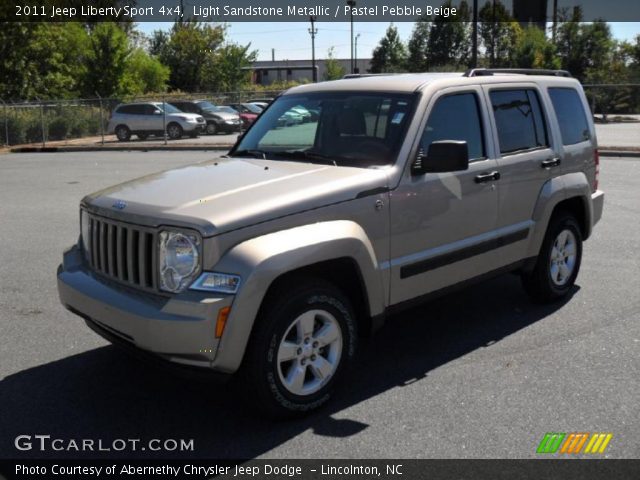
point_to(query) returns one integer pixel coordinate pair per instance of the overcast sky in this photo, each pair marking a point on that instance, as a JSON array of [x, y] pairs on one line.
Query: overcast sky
[[292, 40]]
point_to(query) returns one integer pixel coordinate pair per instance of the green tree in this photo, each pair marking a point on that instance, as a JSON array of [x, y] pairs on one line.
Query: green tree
[[108, 54], [143, 74], [390, 55], [334, 71], [449, 39], [189, 49], [43, 60], [499, 33], [535, 50], [226, 70], [418, 47]]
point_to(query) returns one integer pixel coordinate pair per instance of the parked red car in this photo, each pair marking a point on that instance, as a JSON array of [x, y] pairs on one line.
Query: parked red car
[[247, 111]]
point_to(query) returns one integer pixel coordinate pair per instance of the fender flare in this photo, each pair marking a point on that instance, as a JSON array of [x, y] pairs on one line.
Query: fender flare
[[260, 261], [554, 191]]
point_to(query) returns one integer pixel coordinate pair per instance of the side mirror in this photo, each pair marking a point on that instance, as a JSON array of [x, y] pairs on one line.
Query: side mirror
[[157, 112], [444, 156]]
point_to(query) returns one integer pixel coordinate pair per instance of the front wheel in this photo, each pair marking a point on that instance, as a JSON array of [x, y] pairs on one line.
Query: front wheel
[[301, 346], [212, 128], [558, 262], [174, 131]]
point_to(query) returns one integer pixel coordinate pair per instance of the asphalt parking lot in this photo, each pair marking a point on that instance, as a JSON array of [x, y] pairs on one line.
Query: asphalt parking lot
[[476, 374]]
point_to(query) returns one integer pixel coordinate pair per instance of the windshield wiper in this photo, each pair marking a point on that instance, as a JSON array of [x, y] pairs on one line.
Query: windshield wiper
[[254, 153], [307, 155]]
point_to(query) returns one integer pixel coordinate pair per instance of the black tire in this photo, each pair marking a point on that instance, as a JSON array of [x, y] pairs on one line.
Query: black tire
[[142, 136], [260, 374], [540, 283], [212, 128], [123, 133], [174, 131]]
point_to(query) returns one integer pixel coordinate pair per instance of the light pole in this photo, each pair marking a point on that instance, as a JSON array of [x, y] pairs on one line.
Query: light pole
[[352, 4], [474, 53], [313, 31], [356, 69]]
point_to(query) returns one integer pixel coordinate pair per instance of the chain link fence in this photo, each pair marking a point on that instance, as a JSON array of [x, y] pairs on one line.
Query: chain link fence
[[66, 121], [40, 122]]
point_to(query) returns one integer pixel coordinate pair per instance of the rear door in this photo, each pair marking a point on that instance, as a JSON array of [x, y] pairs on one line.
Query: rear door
[[525, 160]]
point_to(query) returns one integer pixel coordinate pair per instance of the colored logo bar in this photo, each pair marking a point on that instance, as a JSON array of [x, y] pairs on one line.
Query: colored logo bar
[[573, 443]]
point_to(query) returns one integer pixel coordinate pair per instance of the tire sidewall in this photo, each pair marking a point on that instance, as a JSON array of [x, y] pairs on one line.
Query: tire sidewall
[[564, 222], [281, 321], [177, 128], [126, 133]]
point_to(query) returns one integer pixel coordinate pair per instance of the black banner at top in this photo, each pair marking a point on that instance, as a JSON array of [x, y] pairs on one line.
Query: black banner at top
[[524, 11]]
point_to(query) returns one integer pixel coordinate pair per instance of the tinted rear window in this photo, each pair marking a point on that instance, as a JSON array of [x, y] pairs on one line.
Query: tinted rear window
[[519, 120], [130, 109], [570, 113]]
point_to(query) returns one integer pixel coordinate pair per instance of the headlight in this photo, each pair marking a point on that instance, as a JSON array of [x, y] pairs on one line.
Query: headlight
[[85, 229], [179, 260], [217, 282]]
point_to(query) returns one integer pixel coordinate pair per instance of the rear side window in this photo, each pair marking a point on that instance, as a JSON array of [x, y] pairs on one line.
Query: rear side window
[[127, 109], [455, 117], [519, 120], [570, 113]]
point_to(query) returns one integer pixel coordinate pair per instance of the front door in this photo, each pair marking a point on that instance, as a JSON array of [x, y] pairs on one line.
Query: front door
[[443, 224]]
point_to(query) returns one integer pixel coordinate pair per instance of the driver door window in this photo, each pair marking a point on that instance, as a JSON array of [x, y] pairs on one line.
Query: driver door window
[[455, 117]]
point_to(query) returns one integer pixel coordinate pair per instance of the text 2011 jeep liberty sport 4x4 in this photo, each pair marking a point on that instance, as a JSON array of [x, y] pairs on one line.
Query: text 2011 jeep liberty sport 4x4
[[270, 262]]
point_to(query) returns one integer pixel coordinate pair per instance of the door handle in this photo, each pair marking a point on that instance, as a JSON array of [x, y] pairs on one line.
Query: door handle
[[487, 177], [551, 162]]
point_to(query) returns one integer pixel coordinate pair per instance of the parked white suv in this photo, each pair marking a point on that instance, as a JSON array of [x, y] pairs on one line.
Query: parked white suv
[[151, 118]]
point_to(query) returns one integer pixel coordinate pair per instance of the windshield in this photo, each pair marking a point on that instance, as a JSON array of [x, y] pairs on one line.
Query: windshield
[[168, 108], [252, 108], [225, 109], [206, 105], [339, 128]]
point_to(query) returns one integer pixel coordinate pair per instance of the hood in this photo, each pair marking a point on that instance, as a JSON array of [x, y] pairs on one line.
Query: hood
[[225, 194], [184, 115], [221, 115]]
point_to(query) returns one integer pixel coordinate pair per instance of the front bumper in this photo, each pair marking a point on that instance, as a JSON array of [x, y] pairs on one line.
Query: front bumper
[[224, 127], [179, 329]]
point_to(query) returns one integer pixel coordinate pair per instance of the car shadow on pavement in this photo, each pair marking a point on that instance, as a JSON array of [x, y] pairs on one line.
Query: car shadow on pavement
[[105, 394]]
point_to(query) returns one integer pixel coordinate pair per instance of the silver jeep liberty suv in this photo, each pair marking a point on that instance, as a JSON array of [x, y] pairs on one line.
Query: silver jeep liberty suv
[[270, 263]]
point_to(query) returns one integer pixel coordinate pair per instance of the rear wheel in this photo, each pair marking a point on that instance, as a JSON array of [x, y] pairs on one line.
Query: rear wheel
[[559, 260], [123, 133], [301, 346], [174, 131], [212, 128]]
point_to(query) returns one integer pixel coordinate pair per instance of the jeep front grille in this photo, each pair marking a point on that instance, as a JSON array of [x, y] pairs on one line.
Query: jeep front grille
[[123, 252]]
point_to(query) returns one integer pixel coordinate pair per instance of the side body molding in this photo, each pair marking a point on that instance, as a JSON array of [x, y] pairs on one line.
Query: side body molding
[[554, 191], [259, 261]]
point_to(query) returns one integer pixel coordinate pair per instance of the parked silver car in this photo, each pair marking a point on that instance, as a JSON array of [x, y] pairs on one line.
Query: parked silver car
[[151, 118], [270, 263]]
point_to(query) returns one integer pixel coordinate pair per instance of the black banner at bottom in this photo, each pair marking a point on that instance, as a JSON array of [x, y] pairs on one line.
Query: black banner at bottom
[[538, 469]]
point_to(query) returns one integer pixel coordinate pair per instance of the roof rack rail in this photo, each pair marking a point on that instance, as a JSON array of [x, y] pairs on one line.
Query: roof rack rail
[[361, 75], [481, 72]]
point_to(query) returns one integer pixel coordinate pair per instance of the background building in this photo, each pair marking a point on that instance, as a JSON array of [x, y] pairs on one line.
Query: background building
[[266, 72]]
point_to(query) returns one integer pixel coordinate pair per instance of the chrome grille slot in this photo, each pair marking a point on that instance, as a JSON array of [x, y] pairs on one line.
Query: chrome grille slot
[[123, 252]]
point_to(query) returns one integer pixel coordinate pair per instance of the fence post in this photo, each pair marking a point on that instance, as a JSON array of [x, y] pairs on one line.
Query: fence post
[[101, 118], [164, 119], [6, 123], [44, 140]]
